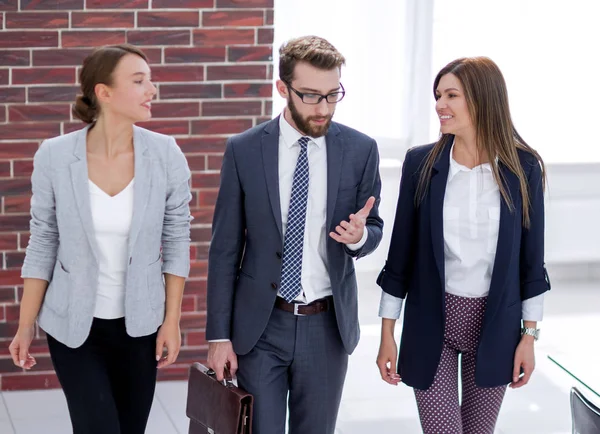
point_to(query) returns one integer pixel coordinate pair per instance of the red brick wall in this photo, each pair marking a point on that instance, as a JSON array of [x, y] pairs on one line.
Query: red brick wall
[[211, 61]]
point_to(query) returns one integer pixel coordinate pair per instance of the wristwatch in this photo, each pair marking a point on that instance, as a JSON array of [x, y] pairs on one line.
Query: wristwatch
[[531, 332]]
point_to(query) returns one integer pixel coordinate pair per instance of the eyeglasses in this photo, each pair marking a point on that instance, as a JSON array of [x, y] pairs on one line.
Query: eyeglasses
[[316, 98]]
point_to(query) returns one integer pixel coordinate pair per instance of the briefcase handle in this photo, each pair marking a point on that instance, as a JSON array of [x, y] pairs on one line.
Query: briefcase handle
[[227, 381]]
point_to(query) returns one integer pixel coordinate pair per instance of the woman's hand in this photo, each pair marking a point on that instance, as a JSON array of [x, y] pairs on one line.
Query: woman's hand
[[19, 347], [169, 336], [524, 358], [387, 359]]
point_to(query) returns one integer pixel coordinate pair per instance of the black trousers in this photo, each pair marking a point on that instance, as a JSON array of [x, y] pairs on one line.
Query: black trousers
[[109, 381]]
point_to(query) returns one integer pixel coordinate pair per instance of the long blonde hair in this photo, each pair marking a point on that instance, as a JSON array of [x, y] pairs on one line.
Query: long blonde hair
[[487, 99]]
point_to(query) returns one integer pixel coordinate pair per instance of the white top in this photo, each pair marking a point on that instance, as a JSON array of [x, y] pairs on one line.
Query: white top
[[111, 216], [315, 275], [471, 224]]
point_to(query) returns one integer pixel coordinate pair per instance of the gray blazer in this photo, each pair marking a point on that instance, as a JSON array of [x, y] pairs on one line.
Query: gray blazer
[[62, 248], [244, 263]]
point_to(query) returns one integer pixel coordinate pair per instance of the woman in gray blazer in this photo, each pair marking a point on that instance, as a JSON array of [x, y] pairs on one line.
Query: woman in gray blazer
[[109, 218]]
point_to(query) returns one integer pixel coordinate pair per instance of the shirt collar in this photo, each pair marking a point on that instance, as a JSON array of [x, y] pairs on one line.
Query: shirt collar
[[291, 136], [455, 167]]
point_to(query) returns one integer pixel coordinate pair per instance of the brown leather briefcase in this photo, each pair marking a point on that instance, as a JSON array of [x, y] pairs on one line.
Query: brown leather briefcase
[[217, 407]]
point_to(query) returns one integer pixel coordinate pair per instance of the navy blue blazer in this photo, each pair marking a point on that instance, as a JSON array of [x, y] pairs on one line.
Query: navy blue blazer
[[415, 270]]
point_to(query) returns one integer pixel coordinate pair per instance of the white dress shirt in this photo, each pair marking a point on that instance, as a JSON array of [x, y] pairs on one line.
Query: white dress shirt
[[315, 268], [471, 224], [111, 216]]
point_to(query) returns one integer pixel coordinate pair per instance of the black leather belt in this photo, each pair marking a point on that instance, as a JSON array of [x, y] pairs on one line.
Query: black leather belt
[[317, 306]]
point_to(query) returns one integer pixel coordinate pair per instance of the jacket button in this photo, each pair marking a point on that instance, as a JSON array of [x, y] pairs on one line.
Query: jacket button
[[273, 285], [279, 255]]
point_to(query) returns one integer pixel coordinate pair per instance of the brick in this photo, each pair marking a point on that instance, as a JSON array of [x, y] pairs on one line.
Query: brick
[[4, 75], [182, 4], [100, 20], [159, 37], [69, 127], [269, 17], [174, 73], [116, 4], [10, 150], [175, 110], [15, 58], [168, 19], [246, 90], [36, 20], [173, 373], [8, 295], [208, 197], [189, 91], [15, 186], [263, 53], [195, 145], [33, 130], [23, 168], [193, 320], [5, 169], [154, 55], [194, 286], [9, 278], [206, 180], [232, 19], [215, 162], [14, 259], [170, 128], [28, 39], [18, 204], [195, 338], [265, 36], [9, 5], [196, 163], [202, 251], [188, 304], [82, 38], [231, 108], [7, 242], [236, 72], [262, 120], [195, 55], [209, 37], [26, 113], [51, 5], [29, 381], [201, 235], [43, 75], [53, 93], [12, 94], [12, 313], [268, 108], [60, 57], [200, 268], [218, 126], [2, 113], [23, 240], [245, 3]]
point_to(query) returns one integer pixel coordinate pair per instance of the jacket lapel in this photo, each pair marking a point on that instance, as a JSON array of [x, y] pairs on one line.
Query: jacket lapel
[[437, 190], [509, 222], [270, 156], [142, 184], [81, 188], [335, 159]]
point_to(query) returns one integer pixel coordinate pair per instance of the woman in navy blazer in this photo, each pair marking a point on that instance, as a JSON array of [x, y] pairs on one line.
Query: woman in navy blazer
[[467, 255]]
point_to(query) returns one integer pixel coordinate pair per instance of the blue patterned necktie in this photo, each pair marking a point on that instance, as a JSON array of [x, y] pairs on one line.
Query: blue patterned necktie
[[291, 268]]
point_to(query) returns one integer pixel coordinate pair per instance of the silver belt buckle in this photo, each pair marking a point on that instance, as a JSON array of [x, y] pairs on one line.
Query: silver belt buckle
[[296, 305]]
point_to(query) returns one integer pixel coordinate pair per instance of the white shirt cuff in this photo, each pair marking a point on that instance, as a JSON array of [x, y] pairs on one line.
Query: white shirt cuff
[[362, 241], [219, 340], [532, 309], [390, 306]]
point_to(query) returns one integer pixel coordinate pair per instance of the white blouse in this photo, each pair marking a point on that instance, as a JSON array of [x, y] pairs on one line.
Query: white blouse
[[471, 224], [111, 216]]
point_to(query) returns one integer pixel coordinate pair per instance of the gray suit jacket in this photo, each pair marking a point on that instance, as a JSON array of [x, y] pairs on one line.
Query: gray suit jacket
[[62, 248], [244, 266]]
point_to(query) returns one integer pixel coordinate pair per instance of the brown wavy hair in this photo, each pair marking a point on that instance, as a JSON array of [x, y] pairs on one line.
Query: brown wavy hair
[[487, 100], [98, 68], [317, 51]]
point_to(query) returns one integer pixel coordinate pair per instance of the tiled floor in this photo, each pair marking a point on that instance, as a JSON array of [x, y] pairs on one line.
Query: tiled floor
[[369, 405]]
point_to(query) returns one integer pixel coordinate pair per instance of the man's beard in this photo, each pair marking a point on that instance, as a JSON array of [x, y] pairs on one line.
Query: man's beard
[[304, 125]]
